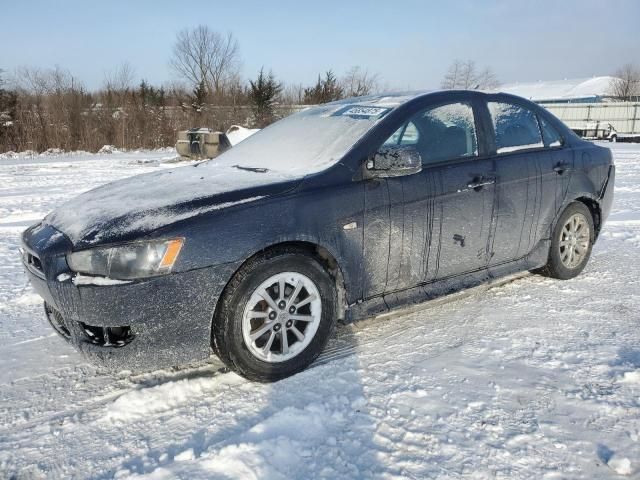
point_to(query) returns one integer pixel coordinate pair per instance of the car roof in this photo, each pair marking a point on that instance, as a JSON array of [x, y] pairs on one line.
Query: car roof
[[396, 99], [388, 100]]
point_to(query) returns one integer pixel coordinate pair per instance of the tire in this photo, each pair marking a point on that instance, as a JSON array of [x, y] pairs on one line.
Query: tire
[[560, 253], [233, 325]]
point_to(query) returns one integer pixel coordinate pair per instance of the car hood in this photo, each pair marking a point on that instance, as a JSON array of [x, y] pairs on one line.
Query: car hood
[[138, 205]]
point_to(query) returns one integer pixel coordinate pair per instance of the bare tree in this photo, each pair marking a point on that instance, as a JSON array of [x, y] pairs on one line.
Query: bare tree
[[54, 100], [450, 79], [293, 94], [626, 83], [487, 80], [203, 55], [32, 83], [120, 79], [466, 76], [118, 84], [358, 82]]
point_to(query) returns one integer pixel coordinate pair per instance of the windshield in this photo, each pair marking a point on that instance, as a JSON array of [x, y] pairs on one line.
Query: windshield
[[307, 142]]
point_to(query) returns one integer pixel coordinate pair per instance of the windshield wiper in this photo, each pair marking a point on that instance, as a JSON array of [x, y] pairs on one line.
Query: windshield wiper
[[252, 169]]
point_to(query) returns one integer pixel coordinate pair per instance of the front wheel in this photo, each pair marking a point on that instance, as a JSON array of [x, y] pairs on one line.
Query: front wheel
[[276, 315], [571, 244]]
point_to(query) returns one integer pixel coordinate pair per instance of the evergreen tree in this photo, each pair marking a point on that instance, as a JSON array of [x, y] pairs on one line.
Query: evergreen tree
[[8, 108], [199, 97], [325, 90], [263, 94], [149, 95], [145, 92]]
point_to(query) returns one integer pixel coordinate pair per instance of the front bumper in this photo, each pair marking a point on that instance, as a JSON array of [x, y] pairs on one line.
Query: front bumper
[[157, 322]]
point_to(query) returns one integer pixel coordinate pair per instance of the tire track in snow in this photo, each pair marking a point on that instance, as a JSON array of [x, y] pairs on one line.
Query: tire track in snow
[[342, 345]]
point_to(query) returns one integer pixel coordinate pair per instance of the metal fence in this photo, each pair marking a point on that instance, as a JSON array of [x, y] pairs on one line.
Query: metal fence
[[624, 116]]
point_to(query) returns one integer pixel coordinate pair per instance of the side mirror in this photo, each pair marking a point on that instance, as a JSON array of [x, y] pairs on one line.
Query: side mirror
[[395, 161]]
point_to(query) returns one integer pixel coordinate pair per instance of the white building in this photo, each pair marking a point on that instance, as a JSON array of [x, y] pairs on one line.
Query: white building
[[577, 90], [582, 103]]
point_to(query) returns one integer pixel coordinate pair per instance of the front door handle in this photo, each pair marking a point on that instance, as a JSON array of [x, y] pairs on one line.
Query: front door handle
[[560, 168], [478, 183]]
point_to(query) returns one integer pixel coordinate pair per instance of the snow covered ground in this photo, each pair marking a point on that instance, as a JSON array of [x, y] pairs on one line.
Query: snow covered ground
[[531, 378]]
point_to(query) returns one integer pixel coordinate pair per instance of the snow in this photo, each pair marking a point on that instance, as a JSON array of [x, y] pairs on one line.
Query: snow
[[518, 147], [148, 198], [307, 142], [236, 133], [108, 149], [79, 279], [531, 378], [304, 143], [631, 377], [621, 466], [568, 89]]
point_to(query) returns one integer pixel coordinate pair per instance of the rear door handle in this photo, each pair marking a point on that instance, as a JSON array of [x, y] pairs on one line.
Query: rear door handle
[[478, 183]]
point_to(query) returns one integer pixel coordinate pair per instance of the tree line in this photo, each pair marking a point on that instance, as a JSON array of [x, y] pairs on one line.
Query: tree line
[[42, 109], [51, 108]]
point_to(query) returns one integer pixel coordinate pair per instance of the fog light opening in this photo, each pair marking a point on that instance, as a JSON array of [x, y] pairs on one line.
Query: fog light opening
[[108, 336], [56, 320]]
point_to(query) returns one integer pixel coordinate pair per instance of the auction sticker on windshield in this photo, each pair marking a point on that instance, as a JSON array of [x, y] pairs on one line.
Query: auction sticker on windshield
[[359, 111]]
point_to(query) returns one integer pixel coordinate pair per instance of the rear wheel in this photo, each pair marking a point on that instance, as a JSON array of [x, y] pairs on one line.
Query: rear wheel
[[275, 316], [571, 243]]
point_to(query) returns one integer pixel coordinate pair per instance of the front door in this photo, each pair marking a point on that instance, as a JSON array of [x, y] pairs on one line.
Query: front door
[[435, 223]]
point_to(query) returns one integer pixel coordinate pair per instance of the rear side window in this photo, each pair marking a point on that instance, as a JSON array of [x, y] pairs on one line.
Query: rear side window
[[445, 132], [516, 127], [550, 135]]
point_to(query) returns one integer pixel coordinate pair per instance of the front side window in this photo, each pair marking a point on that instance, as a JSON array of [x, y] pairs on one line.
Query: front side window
[[516, 127], [405, 135], [445, 132]]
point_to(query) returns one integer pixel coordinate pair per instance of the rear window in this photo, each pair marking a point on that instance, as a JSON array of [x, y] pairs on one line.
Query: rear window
[[550, 135], [516, 127]]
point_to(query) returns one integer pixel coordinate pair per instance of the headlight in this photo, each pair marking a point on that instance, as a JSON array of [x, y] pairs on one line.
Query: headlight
[[128, 261]]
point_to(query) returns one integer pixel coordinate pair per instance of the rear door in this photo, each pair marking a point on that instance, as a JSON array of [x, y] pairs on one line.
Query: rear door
[[466, 194], [557, 167], [466, 201], [521, 194]]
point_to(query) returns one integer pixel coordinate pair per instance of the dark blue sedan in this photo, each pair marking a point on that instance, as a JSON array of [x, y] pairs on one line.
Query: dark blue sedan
[[339, 212]]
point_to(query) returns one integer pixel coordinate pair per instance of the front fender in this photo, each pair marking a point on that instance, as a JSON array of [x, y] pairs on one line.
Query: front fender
[[317, 217]]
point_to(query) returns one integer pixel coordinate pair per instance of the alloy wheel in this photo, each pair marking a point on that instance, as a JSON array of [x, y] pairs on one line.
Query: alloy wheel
[[281, 317], [574, 241]]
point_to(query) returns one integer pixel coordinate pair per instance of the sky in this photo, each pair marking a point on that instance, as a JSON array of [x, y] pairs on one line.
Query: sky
[[408, 43]]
